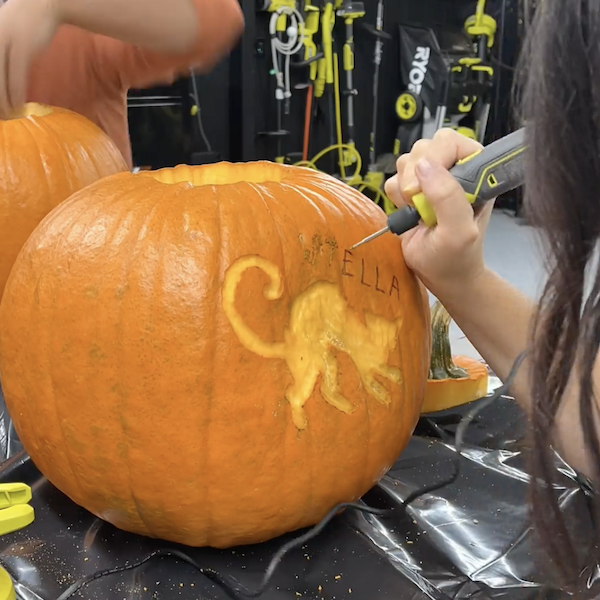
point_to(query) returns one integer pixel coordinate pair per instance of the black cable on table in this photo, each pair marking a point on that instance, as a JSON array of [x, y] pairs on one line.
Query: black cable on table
[[238, 591]]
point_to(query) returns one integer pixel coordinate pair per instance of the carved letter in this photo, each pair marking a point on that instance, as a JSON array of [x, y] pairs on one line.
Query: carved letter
[[332, 243], [346, 261], [395, 286], [362, 276], [377, 281]]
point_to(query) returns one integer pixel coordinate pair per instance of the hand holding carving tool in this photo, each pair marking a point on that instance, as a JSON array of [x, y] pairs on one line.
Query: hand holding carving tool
[[485, 175]]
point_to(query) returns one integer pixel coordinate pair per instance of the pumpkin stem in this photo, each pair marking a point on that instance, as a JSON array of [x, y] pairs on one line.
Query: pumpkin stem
[[442, 366]]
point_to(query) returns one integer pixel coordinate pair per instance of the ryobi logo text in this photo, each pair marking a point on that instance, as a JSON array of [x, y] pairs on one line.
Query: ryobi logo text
[[418, 70]]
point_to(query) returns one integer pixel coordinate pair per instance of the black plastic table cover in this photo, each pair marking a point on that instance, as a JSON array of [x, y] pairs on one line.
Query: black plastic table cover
[[467, 540]]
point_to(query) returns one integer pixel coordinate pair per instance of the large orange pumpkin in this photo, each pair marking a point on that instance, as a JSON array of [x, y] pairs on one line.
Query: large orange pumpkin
[[193, 354], [47, 155]]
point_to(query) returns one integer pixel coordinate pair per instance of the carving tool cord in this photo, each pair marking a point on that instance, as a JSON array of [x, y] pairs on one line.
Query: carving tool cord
[[238, 591]]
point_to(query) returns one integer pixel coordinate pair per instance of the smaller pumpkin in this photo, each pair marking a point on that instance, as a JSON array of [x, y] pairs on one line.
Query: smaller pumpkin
[[453, 380], [48, 154]]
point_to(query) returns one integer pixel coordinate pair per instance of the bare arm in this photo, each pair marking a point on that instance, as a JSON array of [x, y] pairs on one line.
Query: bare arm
[[448, 258], [497, 320], [219, 25], [139, 43], [168, 26]]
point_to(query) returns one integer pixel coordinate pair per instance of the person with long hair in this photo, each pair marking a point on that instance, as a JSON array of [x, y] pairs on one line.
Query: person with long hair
[[84, 55], [559, 101]]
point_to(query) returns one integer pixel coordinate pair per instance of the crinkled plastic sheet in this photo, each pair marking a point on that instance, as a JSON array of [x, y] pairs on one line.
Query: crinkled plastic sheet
[[468, 540]]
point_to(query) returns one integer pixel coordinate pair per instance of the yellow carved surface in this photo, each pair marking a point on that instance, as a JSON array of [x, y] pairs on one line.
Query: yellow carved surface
[[320, 323]]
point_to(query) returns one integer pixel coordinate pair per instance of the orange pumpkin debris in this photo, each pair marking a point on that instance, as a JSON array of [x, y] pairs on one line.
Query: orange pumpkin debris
[[48, 154], [203, 361]]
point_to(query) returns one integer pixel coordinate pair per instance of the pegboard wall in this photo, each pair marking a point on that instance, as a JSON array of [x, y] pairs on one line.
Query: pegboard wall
[[237, 99], [253, 106]]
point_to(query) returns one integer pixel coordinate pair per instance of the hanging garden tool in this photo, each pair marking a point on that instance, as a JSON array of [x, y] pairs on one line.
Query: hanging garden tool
[[285, 26], [348, 155], [309, 29], [350, 12], [325, 74], [482, 29], [328, 76], [375, 176]]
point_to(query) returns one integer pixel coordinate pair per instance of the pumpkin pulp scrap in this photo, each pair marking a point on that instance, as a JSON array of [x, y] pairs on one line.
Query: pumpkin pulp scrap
[[453, 380]]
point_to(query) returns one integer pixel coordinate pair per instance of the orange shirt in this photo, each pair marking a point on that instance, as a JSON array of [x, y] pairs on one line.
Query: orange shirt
[[91, 74]]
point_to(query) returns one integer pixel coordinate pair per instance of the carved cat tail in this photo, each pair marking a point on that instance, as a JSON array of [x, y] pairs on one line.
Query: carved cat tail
[[272, 291]]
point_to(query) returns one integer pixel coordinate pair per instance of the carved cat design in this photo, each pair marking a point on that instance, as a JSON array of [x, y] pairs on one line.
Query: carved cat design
[[320, 321]]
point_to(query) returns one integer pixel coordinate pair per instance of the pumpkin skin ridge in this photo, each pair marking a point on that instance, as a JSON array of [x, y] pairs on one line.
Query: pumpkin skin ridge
[[414, 318], [136, 235], [312, 196], [69, 462], [265, 195], [89, 156], [144, 224], [307, 194], [220, 250], [287, 424]]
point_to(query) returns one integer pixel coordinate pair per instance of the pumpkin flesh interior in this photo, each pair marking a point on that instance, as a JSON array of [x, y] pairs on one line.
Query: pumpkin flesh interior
[[220, 174], [32, 109]]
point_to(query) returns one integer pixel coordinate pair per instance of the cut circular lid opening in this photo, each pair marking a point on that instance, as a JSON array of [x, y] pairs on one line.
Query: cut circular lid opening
[[33, 109], [223, 173]]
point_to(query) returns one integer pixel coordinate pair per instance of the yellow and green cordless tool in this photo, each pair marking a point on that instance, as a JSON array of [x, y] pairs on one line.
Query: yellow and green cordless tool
[[485, 175]]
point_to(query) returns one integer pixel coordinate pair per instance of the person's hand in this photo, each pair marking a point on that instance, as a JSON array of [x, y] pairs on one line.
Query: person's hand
[[448, 257], [26, 28]]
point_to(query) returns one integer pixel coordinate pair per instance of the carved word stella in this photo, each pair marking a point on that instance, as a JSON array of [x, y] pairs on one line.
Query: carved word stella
[[367, 274]]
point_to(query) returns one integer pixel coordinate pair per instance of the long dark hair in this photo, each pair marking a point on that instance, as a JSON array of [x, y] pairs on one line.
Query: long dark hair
[[559, 95]]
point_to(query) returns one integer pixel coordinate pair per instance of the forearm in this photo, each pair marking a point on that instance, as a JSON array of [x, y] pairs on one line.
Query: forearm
[[497, 320], [167, 26]]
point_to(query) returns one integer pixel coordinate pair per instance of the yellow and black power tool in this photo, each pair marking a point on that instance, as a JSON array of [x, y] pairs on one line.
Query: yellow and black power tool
[[485, 175]]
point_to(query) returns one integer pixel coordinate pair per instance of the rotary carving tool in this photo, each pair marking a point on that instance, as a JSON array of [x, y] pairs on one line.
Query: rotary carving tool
[[485, 175]]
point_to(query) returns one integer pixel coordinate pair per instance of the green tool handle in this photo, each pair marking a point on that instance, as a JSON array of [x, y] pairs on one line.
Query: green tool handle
[[496, 169]]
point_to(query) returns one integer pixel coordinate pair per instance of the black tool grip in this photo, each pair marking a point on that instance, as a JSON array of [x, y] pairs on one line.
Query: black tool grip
[[403, 220]]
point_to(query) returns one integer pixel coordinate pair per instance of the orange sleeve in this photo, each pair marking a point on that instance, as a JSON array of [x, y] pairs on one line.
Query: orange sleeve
[[220, 25]]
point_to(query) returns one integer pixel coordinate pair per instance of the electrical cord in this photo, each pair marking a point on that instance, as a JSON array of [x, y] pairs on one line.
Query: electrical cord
[[312, 164], [238, 591], [196, 98], [355, 180], [293, 45]]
